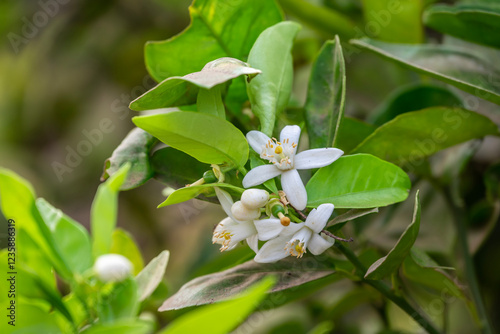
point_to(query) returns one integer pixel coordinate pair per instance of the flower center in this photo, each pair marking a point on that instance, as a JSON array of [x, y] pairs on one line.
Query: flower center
[[295, 248], [279, 153], [222, 238]]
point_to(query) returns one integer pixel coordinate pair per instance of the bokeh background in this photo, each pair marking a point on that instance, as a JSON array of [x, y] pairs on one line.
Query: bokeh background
[[63, 76]]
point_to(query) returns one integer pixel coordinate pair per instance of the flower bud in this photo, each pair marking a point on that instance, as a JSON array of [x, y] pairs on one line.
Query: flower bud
[[254, 198], [112, 267], [243, 213]]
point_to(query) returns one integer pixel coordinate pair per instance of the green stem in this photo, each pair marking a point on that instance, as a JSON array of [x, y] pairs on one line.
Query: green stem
[[470, 272], [320, 18], [385, 290]]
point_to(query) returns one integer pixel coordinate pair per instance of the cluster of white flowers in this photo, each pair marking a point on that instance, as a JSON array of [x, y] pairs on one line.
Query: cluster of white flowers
[[283, 238]]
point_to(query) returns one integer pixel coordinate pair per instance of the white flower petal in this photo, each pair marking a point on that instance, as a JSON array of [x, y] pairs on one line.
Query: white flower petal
[[268, 228], [226, 202], [318, 244], [256, 140], [316, 158], [253, 243], [272, 251], [317, 218], [291, 229], [260, 174], [290, 132], [294, 189]]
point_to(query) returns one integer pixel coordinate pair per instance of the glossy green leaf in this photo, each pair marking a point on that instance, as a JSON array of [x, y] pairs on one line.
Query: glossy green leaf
[[187, 193], [394, 21], [205, 137], [218, 29], [104, 212], [411, 98], [179, 91], [209, 101], [222, 318], [121, 302], [455, 66], [391, 262], [352, 132], [149, 278], [71, 239], [17, 201], [326, 96], [123, 243], [176, 168], [135, 149], [270, 91], [225, 284], [128, 326], [358, 181], [478, 23], [431, 277], [425, 133]]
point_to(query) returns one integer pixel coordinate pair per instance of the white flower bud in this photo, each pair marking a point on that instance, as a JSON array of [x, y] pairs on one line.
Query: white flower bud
[[254, 198], [243, 213], [112, 267]]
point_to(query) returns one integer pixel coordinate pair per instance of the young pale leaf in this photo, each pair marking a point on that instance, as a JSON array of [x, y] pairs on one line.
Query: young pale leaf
[[269, 92], [425, 133], [352, 132], [411, 98], [121, 302], [394, 21], [358, 181], [178, 91], [176, 168], [218, 29], [207, 138], [71, 239], [149, 278], [478, 23], [225, 284], [104, 212], [187, 193], [135, 148], [17, 201], [222, 318], [391, 262], [209, 101], [127, 326], [326, 96], [351, 215], [123, 243], [455, 66]]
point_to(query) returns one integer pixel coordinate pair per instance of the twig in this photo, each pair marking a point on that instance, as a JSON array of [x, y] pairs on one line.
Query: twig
[[331, 235]]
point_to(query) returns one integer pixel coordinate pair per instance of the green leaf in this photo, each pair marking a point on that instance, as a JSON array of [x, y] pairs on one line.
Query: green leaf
[[270, 91], [218, 29], [179, 91], [221, 318], [123, 243], [326, 96], [32, 317], [225, 284], [358, 181], [351, 215], [127, 326], [71, 239], [135, 148], [351, 133], [104, 211], [187, 193], [431, 277], [205, 137], [391, 262], [149, 278], [176, 168], [455, 66], [209, 101], [17, 201], [478, 23], [411, 98], [492, 182], [425, 133], [394, 21], [121, 302]]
